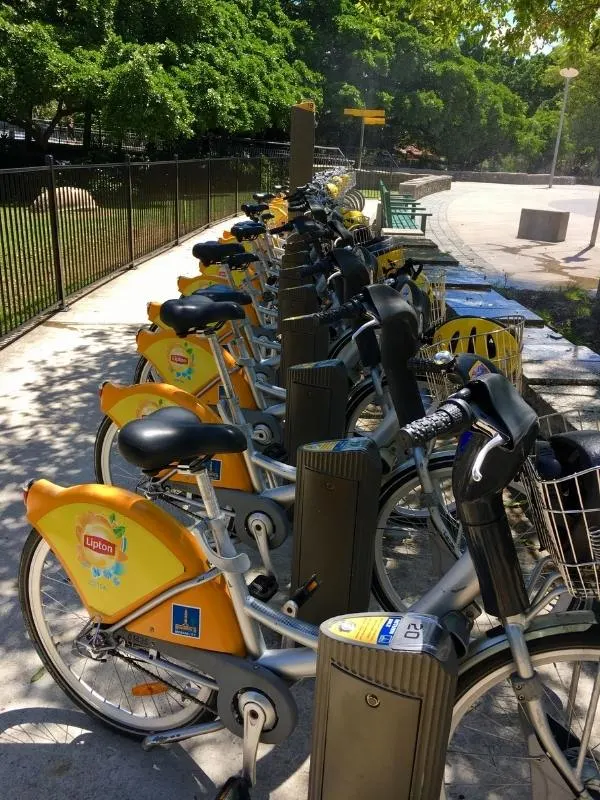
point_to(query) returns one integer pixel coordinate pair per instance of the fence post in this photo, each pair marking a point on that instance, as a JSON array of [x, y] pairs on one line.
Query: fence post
[[237, 184], [130, 214], [208, 193], [176, 198], [59, 273]]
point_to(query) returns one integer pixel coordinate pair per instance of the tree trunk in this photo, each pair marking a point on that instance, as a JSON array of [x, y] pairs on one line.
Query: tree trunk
[[87, 130]]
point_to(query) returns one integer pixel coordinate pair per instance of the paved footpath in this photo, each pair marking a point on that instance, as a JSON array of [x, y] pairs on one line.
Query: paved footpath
[[48, 381], [478, 223]]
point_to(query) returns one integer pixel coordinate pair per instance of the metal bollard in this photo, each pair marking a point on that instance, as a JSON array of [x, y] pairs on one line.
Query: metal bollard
[[335, 516], [383, 707], [301, 342], [316, 404]]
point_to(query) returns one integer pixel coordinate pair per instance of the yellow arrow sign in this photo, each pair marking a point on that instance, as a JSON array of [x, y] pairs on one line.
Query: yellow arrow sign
[[364, 112], [374, 120]]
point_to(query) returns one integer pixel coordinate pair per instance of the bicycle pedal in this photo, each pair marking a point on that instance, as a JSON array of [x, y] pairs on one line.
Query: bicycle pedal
[[236, 788], [275, 451], [305, 592], [263, 587]]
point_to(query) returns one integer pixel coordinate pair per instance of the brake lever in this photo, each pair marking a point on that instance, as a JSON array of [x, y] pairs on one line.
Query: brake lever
[[497, 441]]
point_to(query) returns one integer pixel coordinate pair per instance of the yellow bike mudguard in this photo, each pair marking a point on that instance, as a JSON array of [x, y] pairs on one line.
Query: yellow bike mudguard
[[188, 364], [125, 403], [188, 286], [227, 238], [120, 551]]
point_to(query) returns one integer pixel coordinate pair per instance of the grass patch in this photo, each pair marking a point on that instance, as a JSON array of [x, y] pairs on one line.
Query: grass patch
[[93, 244], [571, 311]]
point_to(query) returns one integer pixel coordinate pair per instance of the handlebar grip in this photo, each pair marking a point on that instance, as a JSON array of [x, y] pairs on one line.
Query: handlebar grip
[[349, 310], [285, 228], [318, 268], [452, 417]]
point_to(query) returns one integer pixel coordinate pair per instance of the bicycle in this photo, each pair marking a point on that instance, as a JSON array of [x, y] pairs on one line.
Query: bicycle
[[191, 667]]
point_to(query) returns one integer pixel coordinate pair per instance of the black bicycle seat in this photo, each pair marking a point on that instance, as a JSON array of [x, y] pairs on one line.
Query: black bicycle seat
[[174, 435], [263, 197], [252, 209], [214, 252], [245, 231], [195, 313], [219, 294]]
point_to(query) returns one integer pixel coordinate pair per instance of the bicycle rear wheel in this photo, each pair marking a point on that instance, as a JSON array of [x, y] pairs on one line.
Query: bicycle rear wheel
[[113, 690]]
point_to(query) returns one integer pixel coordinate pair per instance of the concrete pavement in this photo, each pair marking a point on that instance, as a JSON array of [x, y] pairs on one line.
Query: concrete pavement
[[478, 222], [48, 382]]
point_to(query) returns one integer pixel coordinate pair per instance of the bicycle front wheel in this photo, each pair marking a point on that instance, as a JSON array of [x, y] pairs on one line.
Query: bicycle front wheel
[[114, 690], [410, 556], [488, 757]]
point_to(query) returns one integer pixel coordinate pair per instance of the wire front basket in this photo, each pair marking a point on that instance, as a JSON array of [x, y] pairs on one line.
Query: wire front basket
[[566, 512], [436, 291], [500, 341]]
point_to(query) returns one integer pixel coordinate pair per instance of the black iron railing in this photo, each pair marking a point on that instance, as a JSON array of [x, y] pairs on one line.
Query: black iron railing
[[64, 228]]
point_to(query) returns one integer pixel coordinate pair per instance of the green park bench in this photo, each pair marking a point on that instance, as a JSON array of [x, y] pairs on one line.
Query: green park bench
[[400, 212]]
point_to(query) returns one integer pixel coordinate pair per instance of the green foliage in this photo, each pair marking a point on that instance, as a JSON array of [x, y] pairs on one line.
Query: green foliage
[[455, 79]]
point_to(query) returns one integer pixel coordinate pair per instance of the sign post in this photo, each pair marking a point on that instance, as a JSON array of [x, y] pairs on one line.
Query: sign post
[[368, 116]]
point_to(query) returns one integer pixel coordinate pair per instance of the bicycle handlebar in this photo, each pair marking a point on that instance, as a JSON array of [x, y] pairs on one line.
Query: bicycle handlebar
[[453, 416], [418, 364], [285, 228], [349, 310], [318, 268]]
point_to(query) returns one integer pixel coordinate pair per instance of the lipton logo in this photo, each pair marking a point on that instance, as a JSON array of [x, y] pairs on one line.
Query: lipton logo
[[102, 546], [181, 361], [98, 545]]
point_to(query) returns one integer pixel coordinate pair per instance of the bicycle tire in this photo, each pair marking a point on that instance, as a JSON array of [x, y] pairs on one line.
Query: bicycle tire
[[36, 548], [400, 484], [475, 695], [143, 371]]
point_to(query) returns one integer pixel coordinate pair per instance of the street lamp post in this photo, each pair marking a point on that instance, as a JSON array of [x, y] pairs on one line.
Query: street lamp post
[[567, 73]]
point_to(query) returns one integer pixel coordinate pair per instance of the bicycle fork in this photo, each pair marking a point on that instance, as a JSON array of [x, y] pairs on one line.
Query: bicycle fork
[[553, 775]]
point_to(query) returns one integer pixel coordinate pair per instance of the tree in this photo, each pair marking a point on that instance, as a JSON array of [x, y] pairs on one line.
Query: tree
[[519, 25]]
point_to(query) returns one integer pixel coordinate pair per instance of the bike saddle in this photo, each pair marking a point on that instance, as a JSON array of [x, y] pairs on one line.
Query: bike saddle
[[194, 313], [173, 435], [244, 231], [252, 209], [219, 293], [213, 252], [263, 197], [240, 260], [578, 453], [266, 217]]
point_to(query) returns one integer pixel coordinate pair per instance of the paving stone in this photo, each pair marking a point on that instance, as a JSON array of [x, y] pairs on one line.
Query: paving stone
[[563, 399], [488, 304], [563, 371], [463, 277]]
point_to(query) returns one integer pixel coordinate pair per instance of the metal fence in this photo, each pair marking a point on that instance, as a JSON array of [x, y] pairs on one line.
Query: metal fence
[[63, 228]]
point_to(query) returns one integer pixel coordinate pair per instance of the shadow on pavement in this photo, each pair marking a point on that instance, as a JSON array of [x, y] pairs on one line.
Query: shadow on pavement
[[57, 753]]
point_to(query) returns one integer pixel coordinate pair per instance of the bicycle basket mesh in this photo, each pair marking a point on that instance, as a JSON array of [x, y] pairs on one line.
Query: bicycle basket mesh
[[435, 283], [361, 234], [501, 343], [566, 511]]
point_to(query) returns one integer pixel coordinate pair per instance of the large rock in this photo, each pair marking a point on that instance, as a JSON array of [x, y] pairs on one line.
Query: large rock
[[66, 197]]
